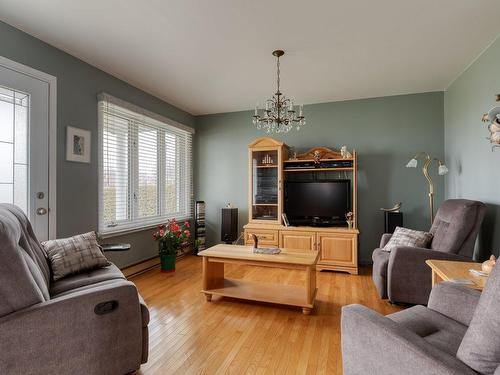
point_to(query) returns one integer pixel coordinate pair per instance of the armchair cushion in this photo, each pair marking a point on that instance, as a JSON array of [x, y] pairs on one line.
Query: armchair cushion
[[375, 344], [438, 330], [74, 255], [454, 301], [69, 283], [408, 237], [455, 226], [480, 348]]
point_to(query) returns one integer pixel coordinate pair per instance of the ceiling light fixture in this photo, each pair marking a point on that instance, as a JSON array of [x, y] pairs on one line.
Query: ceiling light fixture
[[279, 114]]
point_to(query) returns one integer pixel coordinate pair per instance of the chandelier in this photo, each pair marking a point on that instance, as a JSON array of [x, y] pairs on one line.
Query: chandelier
[[279, 114]]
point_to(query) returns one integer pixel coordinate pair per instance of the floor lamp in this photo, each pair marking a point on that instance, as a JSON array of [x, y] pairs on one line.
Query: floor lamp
[[442, 170]]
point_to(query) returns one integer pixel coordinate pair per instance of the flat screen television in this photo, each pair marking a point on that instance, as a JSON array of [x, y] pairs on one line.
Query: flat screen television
[[322, 203]]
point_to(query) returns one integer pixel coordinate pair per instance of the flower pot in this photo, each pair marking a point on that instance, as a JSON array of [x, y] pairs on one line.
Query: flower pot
[[167, 262]]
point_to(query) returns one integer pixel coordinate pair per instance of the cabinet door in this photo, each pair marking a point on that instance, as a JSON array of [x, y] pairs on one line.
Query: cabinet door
[[298, 240], [338, 249], [265, 185]]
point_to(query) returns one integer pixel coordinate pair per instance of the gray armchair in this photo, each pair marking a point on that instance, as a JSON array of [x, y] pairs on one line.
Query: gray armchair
[[91, 323], [458, 333], [403, 276]]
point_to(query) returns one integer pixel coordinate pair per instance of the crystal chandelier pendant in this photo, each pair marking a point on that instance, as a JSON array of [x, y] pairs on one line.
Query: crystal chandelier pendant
[[279, 115]]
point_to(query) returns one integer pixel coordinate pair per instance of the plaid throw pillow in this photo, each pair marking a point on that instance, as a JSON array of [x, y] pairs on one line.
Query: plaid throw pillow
[[408, 237], [74, 255]]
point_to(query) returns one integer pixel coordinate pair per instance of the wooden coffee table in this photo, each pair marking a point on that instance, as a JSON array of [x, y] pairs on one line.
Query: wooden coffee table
[[447, 270], [214, 282]]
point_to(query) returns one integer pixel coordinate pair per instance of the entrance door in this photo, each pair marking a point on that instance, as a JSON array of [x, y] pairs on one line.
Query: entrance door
[[24, 145]]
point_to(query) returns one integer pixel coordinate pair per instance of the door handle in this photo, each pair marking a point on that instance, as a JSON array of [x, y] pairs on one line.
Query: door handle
[[41, 211]]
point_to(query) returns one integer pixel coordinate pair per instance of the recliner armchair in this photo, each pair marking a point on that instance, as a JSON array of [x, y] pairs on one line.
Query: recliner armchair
[[402, 275], [457, 333], [90, 323]]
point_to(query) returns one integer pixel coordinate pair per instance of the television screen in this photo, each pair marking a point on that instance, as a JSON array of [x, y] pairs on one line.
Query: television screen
[[324, 199]]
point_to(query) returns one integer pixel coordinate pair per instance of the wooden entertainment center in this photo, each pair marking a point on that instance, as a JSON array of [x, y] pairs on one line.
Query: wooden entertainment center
[[270, 165]]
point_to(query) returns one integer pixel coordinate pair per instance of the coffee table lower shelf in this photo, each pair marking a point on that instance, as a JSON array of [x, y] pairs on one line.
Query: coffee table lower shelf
[[290, 295]]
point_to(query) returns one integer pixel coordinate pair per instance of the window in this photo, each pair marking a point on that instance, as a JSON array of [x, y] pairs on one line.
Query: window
[[145, 168]]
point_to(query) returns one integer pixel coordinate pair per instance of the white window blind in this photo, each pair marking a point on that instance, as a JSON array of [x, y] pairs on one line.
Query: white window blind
[[145, 168]]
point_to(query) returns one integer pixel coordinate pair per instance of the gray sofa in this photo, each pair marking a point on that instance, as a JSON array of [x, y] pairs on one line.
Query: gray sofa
[[402, 275], [458, 333], [91, 323]]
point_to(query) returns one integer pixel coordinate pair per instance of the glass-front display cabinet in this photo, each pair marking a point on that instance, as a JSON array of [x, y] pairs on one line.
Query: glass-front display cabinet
[[266, 175]]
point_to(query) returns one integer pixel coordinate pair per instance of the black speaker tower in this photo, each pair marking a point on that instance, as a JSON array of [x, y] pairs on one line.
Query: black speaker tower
[[392, 220], [229, 226]]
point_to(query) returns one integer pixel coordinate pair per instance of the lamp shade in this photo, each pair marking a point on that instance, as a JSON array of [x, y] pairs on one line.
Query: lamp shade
[[412, 163], [442, 170]]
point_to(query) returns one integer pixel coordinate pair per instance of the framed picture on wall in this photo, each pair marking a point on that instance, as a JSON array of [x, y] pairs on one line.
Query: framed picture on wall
[[77, 145]]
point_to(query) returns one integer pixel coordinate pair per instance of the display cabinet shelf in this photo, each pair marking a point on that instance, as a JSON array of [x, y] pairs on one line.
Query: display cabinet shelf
[[319, 169]]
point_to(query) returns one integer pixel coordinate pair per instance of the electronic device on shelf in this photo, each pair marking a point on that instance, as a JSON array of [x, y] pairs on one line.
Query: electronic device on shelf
[[318, 203], [309, 164]]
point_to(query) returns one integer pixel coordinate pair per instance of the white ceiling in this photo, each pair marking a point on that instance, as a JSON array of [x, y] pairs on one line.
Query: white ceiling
[[210, 56]]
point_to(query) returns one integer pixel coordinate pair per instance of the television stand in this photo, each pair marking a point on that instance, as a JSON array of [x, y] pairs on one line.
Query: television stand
[[338, 246], [269, 167]]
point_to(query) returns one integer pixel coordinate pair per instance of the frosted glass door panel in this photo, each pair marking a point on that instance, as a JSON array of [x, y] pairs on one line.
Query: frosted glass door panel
[[14, 153]]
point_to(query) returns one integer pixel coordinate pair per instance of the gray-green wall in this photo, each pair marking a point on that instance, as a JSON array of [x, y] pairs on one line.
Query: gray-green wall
[[474, 167], [386, 132], [78, 84]]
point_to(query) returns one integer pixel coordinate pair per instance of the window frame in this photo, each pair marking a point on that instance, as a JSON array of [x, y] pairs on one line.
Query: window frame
[[183, 168]]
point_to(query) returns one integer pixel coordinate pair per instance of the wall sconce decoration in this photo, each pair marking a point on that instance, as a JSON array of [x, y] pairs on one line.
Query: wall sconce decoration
[[442, 170], [493, 120]]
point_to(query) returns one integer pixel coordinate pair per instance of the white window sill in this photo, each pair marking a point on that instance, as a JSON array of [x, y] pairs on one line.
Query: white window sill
[[125, 231]]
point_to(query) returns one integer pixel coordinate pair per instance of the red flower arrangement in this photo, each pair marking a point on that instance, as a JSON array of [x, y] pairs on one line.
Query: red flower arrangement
[[172, 236]]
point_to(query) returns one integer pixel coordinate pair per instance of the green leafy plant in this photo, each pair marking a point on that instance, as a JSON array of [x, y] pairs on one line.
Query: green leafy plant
[[172, 236]]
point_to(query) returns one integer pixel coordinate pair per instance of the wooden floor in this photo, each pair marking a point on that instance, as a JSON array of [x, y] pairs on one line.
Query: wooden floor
[[228, 336]]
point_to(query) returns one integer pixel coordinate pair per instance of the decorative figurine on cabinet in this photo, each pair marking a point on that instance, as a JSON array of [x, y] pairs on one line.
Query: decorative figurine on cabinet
[[317, 158], [349, 219], [345, 154], [394, 208]]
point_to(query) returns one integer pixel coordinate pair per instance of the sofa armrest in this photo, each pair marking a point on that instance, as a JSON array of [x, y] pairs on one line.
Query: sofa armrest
[[66, 335], [409, 277], [384, 239], [374, 344], [454, 301]]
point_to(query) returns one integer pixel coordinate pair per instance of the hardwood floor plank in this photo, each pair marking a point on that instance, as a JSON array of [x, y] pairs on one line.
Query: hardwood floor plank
[[227, 336]]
